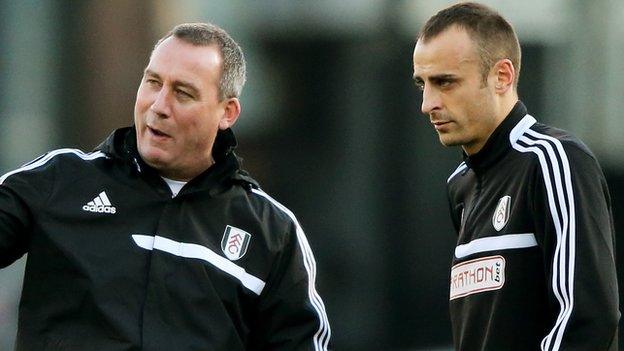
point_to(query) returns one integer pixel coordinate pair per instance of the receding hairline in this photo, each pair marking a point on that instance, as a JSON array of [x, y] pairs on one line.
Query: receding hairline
[[472, 40], [215, 45], [491, 34], [231, 57], [472, 36], [424, 38], [184, 39]]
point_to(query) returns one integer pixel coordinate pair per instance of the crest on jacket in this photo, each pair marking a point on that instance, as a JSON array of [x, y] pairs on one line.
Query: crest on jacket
[[235, 242], [501, 214]]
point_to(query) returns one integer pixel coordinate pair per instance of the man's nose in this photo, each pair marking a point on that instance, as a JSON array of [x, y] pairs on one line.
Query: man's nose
[[430, 100], [161, 105]]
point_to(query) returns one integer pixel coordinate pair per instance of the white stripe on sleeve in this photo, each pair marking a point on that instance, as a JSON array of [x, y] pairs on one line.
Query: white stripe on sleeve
[[50, 155], [321, 337], [560, 200]]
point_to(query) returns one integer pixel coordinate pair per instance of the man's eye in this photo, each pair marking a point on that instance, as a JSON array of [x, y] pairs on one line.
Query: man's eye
[[445, 83], [152, 82], [420, 86], [183, 94]]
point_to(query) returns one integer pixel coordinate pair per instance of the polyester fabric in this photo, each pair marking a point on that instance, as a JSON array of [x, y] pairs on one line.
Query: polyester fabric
[[534, 267], [116, 263]]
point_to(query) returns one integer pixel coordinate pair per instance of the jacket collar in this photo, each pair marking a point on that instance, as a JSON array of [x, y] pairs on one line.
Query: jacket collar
[[121, 145], [498, 143]]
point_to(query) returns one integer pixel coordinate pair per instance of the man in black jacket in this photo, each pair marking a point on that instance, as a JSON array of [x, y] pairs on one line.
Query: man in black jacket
[[534, 265], [158, 240]]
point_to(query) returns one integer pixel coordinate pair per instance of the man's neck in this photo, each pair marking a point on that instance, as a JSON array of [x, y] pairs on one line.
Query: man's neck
[[506, 104], [185, 175]]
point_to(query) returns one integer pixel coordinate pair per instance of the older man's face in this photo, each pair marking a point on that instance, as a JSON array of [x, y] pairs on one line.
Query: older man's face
[[177, 112]]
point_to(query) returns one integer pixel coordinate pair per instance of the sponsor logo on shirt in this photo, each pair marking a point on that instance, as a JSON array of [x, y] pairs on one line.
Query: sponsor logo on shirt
[[478, 275], [235, 242], [501, 214]]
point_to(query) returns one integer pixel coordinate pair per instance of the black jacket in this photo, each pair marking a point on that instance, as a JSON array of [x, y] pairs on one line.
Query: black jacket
[[116, 263], [534, 266]]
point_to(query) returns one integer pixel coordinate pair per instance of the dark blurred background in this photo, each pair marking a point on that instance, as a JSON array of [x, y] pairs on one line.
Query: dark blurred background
[[331, 126]]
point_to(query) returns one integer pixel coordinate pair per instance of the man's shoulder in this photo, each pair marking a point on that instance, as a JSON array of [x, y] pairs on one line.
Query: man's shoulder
[[459, 170], [460, 182], [52, 159], [563, 141], [265, 202], [552, 147], [63, 157]]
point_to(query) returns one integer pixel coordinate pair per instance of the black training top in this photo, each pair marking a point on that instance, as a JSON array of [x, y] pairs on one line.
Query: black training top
[[534, 265], [116, 263]]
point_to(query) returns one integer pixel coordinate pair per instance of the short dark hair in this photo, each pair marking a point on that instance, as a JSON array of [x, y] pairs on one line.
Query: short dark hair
[[494, 36], [233, 71]]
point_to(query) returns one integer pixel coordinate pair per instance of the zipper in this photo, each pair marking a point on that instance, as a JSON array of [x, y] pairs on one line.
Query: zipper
[[467, 212]]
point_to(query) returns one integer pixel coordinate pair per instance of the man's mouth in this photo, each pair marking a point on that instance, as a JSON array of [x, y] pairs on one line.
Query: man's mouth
[[439, 124], [157, 132]]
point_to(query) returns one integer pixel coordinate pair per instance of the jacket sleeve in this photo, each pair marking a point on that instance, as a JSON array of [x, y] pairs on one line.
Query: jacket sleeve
[[574, 227], [14, 219], [22, 194], [291, 314], [14, 224]]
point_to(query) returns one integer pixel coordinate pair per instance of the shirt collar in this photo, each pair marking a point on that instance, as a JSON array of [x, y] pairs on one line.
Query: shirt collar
[[121, 144], [498, 143]]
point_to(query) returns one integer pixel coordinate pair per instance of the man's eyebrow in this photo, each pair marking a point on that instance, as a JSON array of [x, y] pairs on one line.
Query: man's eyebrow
[[445, 76], [188, 85], [149, 72]]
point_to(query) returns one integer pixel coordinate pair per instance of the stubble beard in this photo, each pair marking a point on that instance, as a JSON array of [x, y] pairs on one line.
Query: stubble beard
[[449, 141]]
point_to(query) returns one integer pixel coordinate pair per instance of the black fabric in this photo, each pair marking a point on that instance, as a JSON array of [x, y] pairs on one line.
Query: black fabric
[[497, 144], [91, 285], [558, 292]]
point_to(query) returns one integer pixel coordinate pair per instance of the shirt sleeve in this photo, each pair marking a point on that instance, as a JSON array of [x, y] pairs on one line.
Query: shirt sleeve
[[291, 314], [574, 227], [14, 224], [22, 194]]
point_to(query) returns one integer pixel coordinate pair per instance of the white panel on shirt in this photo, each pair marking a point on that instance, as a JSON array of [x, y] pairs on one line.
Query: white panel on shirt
[[174, 185]]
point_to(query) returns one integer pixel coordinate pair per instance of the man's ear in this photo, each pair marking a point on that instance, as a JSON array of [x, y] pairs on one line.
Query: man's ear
[[505, 75], [231, 112]]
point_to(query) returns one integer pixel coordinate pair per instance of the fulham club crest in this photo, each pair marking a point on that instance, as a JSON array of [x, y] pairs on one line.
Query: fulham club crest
[[235, 242], [501, 214]]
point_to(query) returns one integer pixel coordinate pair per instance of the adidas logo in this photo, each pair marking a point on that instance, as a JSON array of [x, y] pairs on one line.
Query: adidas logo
[[101, 204]]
